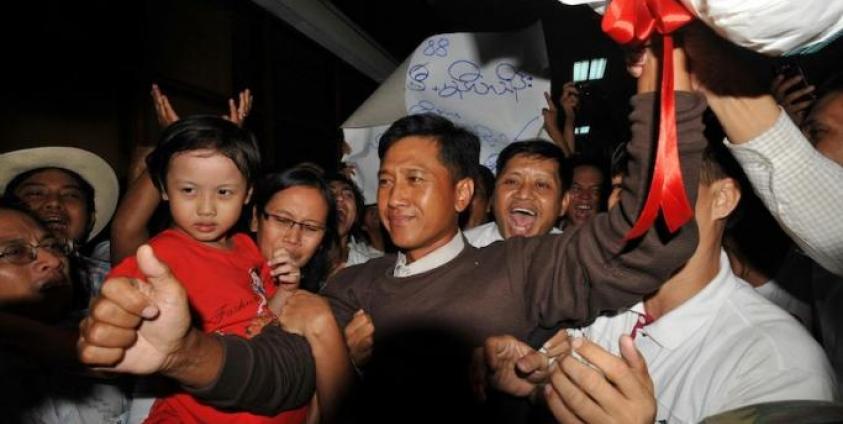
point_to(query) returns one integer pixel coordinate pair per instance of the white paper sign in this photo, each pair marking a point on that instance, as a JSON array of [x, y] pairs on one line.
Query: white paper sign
[[489, 83]]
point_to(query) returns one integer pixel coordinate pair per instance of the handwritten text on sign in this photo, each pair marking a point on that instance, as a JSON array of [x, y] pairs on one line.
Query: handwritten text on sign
[[489, 83]]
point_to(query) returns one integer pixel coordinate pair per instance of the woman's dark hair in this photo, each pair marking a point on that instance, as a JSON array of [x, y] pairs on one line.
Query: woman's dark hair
[[205, 132], [317, 268], [356, 230]]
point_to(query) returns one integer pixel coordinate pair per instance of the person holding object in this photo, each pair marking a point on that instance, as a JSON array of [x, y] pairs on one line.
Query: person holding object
[[425, 183]]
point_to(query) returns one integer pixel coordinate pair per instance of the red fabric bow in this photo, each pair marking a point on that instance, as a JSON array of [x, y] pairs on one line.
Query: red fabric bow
[[633, 21]]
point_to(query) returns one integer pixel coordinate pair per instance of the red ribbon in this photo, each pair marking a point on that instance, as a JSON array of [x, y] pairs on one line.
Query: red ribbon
[[633, 22]]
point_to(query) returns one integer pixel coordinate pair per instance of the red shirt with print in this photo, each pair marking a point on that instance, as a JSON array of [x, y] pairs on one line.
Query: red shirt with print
[[228, 291]]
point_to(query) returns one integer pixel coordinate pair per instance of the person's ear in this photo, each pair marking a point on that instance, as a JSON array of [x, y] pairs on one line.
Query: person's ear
[[463, 191], [566, 200], [726, 195], [253, 223]]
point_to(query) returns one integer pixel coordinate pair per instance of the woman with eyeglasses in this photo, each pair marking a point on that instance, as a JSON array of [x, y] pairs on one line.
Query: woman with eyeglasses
[[295, 221]]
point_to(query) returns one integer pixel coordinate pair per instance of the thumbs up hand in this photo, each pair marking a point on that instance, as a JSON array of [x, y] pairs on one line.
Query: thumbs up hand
[[136, 326]]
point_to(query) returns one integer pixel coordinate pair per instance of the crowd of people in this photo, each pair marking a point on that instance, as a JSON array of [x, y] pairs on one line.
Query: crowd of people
[[464, 294]]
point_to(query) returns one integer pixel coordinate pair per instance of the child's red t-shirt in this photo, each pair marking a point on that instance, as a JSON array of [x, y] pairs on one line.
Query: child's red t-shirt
[[228, 291]]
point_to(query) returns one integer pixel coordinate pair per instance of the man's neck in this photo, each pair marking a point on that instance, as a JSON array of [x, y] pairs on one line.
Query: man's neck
[[697, 273], [413, 255]]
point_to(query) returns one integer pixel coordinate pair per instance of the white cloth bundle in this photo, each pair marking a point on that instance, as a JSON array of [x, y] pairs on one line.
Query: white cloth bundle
[[771, 27]]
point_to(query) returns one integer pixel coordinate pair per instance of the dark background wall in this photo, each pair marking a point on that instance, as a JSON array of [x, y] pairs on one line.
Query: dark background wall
[[79, 74]]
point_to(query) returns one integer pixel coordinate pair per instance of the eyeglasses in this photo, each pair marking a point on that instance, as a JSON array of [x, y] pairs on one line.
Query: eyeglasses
[[307, 229], [20, 253]]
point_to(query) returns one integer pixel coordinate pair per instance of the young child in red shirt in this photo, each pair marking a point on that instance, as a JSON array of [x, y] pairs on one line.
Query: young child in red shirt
[[204, 167]]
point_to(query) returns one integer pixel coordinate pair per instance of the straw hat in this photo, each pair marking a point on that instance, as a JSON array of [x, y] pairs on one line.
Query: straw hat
[[92, 168]]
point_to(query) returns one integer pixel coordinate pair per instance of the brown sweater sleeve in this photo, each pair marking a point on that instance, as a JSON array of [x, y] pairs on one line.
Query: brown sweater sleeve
[[272, 372], [572, 278]]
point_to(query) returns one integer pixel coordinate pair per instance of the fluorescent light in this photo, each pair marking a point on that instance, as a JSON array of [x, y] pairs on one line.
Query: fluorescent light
[[589, 69], [580, 70]]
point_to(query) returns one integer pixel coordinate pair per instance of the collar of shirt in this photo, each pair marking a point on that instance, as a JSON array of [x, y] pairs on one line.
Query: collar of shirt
[[672, 329], [360, 252], [432, 260], [488, 233]]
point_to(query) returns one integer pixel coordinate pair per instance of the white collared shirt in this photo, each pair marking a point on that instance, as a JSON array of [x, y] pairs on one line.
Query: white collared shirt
[[360, 252], [773, 292], [432, 260], [488, 233], [724, 348]]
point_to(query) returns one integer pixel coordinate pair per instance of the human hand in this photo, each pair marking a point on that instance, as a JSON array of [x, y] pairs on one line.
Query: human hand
[[619, 390], [550, 115], [239, 110], [359, 336], [570, 100], [286, 274], [163, 109], [305, 314], [513, 366], [797, 102], [284, 269], [136, 326], [348, 169]]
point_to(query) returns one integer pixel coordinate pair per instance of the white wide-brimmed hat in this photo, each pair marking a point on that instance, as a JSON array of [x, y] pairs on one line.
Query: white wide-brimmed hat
[[92, 168]]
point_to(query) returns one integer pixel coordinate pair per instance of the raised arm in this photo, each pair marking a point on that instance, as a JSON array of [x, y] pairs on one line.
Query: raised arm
[[573, 277], [562, 137], [798, 185]]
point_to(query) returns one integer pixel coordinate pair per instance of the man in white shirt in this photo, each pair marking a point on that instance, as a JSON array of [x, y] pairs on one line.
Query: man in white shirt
[[711, 343], [529, 193]]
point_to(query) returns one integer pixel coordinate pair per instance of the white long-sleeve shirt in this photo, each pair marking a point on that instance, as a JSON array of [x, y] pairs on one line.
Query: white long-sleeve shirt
[[801, 188]]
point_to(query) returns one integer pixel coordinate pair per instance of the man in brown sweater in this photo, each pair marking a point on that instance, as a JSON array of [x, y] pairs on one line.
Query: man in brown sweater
[[438, 289]]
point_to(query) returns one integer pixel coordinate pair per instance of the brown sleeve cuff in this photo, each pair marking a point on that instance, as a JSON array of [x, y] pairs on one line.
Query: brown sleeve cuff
[[266, 375]]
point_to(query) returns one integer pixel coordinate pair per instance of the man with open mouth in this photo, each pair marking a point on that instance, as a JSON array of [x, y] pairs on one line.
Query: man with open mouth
[[528, 198], [586, 192]]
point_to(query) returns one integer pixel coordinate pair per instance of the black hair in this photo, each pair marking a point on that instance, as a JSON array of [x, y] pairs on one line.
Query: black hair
[[484, 185], [84, 185], [484, 181], [459, 149], [317, 268], [205, 132], [832, 86], [357, 226], [541, 149], [13, 205], [719, 163]]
